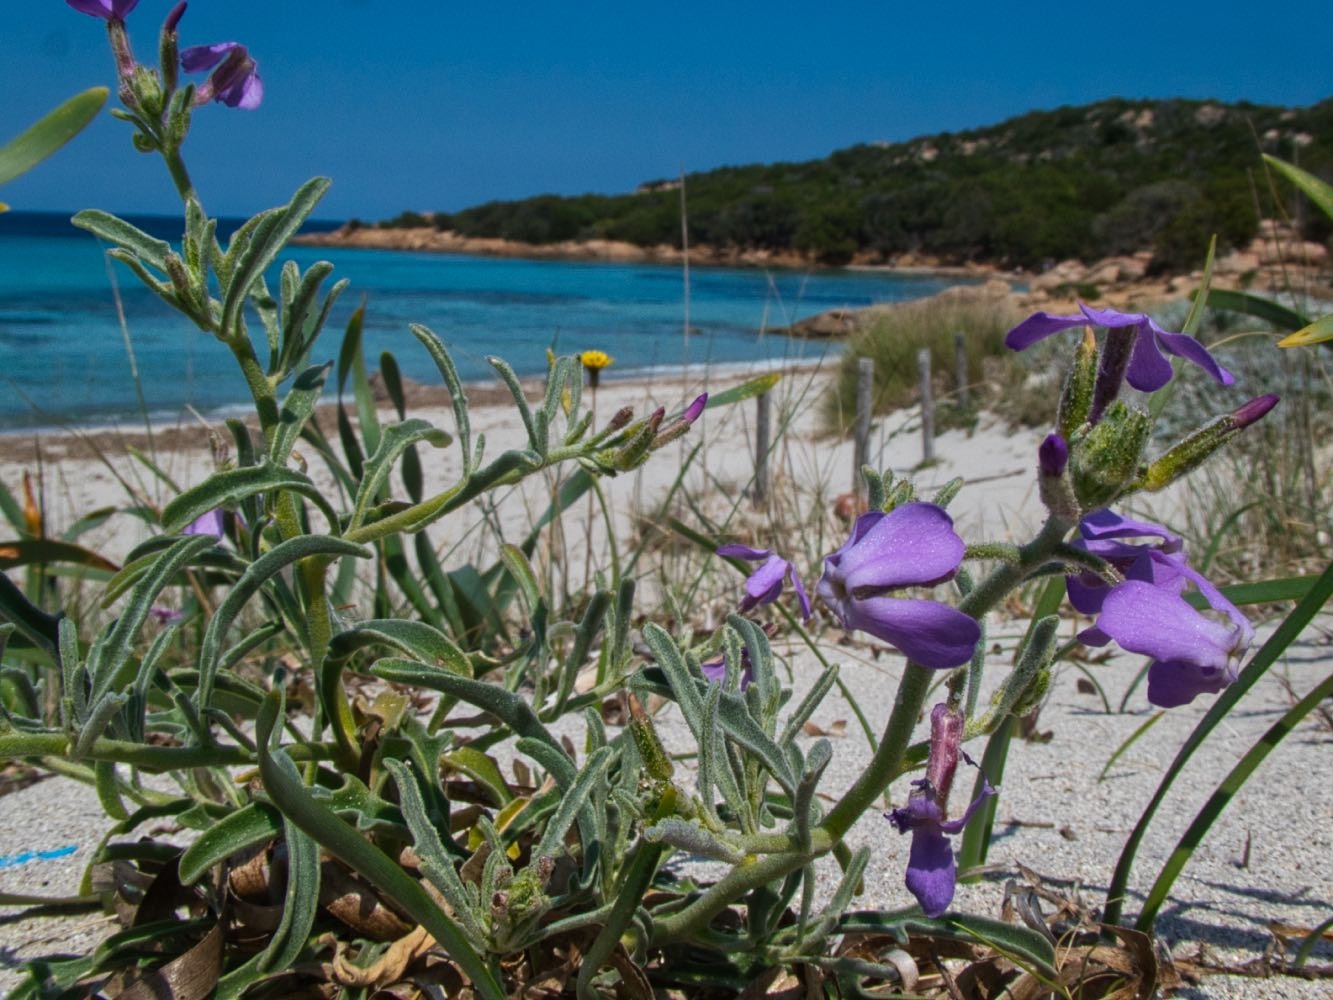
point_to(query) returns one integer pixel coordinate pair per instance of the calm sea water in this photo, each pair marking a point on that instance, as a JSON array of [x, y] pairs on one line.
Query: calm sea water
[[63, 357]]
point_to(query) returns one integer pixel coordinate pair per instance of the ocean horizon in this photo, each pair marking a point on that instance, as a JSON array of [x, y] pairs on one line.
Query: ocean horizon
[[69, 362]]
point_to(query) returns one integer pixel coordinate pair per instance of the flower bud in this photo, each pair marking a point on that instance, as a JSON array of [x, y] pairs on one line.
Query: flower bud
[[656, 761], [619, 419], [633, 453], [1076, 396], [169, 49], [682, 424], [1186, 456], [946, 739], [1107, 459], [1057, 493], [1111, 373]]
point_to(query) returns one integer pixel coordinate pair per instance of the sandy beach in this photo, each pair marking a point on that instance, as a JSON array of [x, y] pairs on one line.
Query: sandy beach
[[1267, 863]]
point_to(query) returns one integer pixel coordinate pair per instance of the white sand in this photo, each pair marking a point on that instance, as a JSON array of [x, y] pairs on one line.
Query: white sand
[[1054, 816]]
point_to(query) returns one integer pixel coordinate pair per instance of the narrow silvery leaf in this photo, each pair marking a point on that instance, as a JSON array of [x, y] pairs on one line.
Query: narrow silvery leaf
[[99, 717], [393, 441], [417, 639], [803, 805], [440, 355], [296, 410], [436, 864], [510, 379], [120, 233], [250, 826], [572, 802], [690, 837], [683, 688], [801, 713], [231, 486]]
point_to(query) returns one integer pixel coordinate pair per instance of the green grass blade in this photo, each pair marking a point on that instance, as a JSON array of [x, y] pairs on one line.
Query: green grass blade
[[1318, 191], [1258, 307], [1284, 636], [1221, 798], [1133, 738]]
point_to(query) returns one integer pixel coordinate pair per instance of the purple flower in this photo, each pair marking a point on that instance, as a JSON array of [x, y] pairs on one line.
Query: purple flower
[[165, 616], [931, 871], [765, 584], [1148, 369], [716, 670], [235, 82], [206, 524], [1192, 654], [911, 546], [107, 10], [1159, 563], [1053, 456]]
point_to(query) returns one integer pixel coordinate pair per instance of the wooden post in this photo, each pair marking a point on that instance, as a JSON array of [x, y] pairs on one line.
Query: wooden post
[[865, 397], [960, 367], [761, 433], [927, 407]]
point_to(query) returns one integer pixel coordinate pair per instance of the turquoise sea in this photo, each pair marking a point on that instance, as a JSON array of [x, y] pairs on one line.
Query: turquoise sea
[[63, 356]]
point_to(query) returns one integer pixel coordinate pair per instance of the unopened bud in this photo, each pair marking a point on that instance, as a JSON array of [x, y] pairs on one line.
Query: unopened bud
[[946, 739], [1076, 396], [633, 453], [683, 423], [169, 49], [1107, 460], [619, 419], [1057, 492], [1182, 458], [1111, 373], [1053, 455], [656, 761]]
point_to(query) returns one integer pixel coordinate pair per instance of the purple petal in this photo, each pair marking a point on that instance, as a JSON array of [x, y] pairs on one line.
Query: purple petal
[[912, 545], [1053, 456], [1110, 318], [105, 9], [802, 597], [715, 670], [246, 93], [765, 584], [1172, 683], [198, 58], [931, 634], [206, 524], [931, 874], [1148, 370], [956, 825], [693, 411], [1182, 345], [737, 551], [1039, 326], [1105, 523], [1149, 620]]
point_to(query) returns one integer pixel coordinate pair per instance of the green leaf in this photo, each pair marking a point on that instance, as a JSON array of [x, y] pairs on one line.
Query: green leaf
[[249, 826], [22, 552], [436, 864], [39, 627], [440, 355], [229, 488], [1022, 944], [571, 804], [417, 639], [483, 770], [1318, 332], [1129, 742], [296, 410], [1257, 306], [536, 434], [120, 233], [393, 441], [267, 240], [49, 133], [1318, 191], [1291, 588], [746, 390], [283, 784]]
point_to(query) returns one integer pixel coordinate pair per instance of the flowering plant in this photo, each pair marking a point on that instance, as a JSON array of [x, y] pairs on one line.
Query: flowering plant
[[378, 812]]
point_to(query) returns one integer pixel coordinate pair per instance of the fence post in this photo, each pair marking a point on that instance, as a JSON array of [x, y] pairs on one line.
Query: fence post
[[927, 407], [761, 434], [960, 367], [865, 396]]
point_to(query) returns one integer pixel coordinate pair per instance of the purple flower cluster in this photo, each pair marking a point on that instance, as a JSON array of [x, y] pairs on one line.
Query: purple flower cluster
[[235, 79], [1192, 653]]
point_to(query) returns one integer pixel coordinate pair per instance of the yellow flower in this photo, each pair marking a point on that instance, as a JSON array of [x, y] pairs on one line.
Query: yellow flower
[[595, 361]]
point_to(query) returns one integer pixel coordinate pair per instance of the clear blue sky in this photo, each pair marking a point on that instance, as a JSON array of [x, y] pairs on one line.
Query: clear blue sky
[[433, 105]]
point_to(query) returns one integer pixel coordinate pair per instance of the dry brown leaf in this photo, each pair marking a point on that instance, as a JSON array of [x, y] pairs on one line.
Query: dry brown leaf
[[389, 968]]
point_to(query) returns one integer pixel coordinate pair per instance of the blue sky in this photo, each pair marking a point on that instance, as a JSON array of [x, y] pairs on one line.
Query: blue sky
[[429, 105]]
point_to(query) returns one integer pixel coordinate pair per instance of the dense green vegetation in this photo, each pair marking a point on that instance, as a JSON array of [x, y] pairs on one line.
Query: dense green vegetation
[[1090, 181]]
